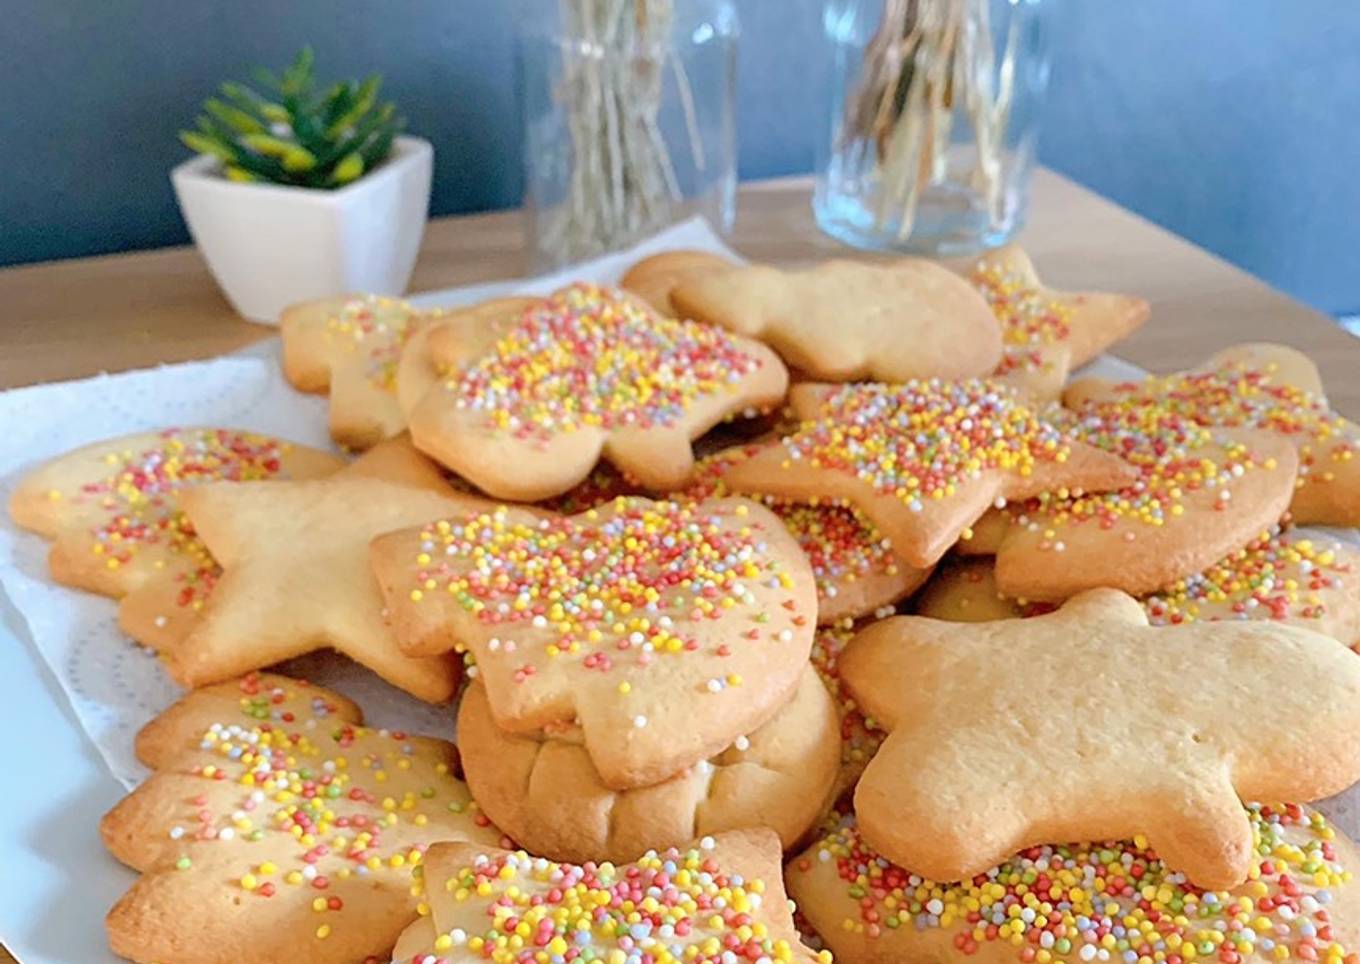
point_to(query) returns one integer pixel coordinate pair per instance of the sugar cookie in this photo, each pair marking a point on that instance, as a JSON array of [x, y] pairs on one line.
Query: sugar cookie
[[1088, 723], [847, 320], [1201, 493], [277, 826], [860, 736], [654, 278], [544, 792], [295, 570], [665, 629], [1046, 332], [1291, 576], [721, 899], [1269, 388], [1079, 903], [585, 374], [922, 460], [110, 510], [349, 347]]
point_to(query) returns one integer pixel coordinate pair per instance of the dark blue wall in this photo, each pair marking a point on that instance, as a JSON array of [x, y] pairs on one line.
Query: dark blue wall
[[1234, 122]]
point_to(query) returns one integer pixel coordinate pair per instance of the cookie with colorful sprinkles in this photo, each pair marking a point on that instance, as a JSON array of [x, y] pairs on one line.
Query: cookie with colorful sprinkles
[[296, 576], [664, 629], [1268, 388], [1088, 723], [856, 570], [1046, 333], [860, 736], [1077, 903], [718, 900], [545, 793], [350, 347], [276, 825], [846, 320], [1292, 576], [590, 373], [924, 459], [110, 508], [1200, 494]]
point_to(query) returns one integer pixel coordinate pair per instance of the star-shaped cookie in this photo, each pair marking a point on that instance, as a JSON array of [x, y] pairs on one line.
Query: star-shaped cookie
[[721, 899], [1069, 903], [1088, 724], [924, 459], [589, 373], [1270, 388], [665, 629], [295, 569], [846, 320], [1046, 332], [654, 278], [1287, 575], [110, 510], [350, 347], [278, 827], [1200, 494]]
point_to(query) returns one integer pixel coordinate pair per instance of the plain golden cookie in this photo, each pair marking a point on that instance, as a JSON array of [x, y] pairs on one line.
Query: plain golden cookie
[[654, 278], [545, 793], [1088, 723], [847, 320], [296, 576]]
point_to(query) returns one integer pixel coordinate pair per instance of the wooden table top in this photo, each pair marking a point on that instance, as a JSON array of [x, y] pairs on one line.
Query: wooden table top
[[74, 318]]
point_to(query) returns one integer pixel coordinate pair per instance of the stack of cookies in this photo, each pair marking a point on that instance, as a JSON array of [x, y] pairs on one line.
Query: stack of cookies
[[656, 540]]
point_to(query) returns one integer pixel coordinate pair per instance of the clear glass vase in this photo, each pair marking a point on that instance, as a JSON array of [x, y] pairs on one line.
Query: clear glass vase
[[629, 120], [932, 122]]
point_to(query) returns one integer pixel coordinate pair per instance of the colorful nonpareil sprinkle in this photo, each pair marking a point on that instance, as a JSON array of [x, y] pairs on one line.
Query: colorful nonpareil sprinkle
[[1173, 457], [136, 498], [1030, 319], [1109, 901], [840, 543], [1237, 394], [378, 327], [591, 356], [860, 736], [1281, 575], [919, 440], [624, 583], [325, 799], [667, 908]]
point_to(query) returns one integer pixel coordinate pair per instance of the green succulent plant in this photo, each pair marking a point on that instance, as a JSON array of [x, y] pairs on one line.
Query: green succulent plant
[[288, 132]]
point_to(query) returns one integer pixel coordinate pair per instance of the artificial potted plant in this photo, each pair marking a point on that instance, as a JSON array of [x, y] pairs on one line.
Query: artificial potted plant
[[302, 193]]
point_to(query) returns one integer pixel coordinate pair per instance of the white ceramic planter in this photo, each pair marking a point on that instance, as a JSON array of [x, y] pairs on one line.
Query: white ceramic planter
[[269, 246]]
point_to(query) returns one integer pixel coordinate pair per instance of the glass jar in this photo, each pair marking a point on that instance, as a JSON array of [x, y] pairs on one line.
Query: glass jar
[[629, 120], [932, 120]]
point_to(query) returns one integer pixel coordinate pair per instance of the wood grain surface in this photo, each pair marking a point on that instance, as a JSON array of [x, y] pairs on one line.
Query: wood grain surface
[[73, 318]]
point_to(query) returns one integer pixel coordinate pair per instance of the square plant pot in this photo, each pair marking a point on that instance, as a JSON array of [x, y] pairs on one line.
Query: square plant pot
[[270, 246]]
